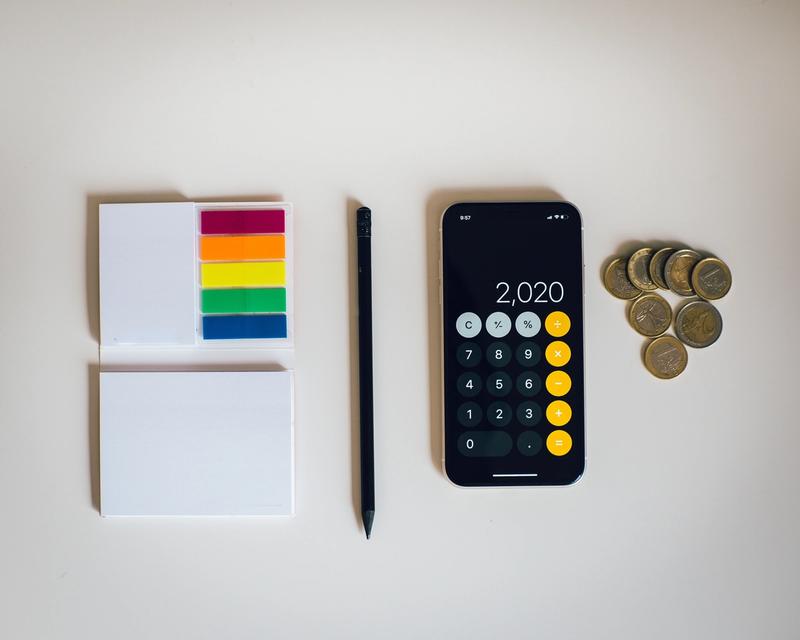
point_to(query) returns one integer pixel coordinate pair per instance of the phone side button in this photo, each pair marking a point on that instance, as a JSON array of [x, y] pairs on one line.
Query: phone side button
[[484, 444]]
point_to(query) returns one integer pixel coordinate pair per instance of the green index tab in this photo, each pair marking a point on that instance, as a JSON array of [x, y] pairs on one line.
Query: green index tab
[[243, 300]]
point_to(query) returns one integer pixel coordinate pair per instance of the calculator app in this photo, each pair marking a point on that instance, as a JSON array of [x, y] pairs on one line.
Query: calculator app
[[512, 308]]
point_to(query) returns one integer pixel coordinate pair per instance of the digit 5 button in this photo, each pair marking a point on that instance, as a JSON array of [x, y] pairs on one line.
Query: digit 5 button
[[557, 353]]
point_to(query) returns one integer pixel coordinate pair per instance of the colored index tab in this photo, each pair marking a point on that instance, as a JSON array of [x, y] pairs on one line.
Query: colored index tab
[[243, 274], [238, 221], [244, 327], [243, 300], [242, 247]]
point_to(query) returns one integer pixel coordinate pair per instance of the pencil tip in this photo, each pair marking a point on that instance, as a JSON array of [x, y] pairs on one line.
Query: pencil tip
[[368, 517]]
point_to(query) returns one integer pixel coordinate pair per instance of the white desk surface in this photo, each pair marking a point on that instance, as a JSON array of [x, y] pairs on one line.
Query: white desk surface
[[661, 121]]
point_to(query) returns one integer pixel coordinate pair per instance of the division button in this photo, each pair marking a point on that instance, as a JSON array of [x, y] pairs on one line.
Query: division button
[[557, 353], [484, 444], [468, 325], [557, 324], [558, 413], [529, 414], [469, 384], [469, 414], [499, 384], [558, 383], [529, 384], [527, 324], [528, 354], [468, 354], [559, 442], [498, 324], [529, 443], [498, 354], [498, 414]]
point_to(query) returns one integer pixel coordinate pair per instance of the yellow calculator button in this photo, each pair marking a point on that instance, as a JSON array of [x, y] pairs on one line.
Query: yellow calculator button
[[558, 383], [557, 353], [557, 324], [558, 413], [559, 442]]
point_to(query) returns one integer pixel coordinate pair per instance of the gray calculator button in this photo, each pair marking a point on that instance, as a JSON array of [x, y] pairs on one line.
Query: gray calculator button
[[529, 443], [498, 354], [529, 414], [468, 354], [499, 384], [527, 324], [529, 354], [498, 414], [485, 444], [498, 324], [469, 414], [468, 325], [469, 384], [529, 383]]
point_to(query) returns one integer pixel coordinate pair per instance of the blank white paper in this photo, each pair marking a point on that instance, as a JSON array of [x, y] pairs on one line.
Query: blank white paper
[[196, 443], [147, 273]]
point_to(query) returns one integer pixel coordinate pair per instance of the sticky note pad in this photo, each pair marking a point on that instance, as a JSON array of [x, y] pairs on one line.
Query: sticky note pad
[[196, 443]]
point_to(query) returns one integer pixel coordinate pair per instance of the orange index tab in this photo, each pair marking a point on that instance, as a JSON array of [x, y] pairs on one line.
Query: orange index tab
[[242, 247]]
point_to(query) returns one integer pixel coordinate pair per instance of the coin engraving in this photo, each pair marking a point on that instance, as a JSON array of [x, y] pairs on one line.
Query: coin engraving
[[657, 263], [698, 324], [711, 278], [665, 357], [650, 315], [639, 269], [678, 270], [616, 280]]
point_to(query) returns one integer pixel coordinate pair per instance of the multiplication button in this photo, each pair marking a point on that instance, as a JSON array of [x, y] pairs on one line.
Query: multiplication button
[[557, 353], [468, 325]]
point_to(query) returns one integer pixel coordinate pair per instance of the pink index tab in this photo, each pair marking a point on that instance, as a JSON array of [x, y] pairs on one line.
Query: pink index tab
[[239, 221]]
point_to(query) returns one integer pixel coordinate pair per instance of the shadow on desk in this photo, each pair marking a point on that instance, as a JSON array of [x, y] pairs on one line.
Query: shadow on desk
[[437, 202]]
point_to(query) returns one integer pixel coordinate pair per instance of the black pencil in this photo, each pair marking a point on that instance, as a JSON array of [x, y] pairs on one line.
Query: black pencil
[[364, 239]]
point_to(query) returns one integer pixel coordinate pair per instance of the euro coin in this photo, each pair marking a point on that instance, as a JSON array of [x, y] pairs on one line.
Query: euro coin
[[698, 324], [678, 271], [711, 278], [665, 357], [639, 269], [616, 280], [650, 315], [657, 263]]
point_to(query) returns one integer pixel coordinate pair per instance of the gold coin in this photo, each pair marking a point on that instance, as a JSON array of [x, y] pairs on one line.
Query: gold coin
[[665, 357], [678, 270], [639, 269], [650, 315], [698, 324], [711, 278], [616, 280], [657, 266]]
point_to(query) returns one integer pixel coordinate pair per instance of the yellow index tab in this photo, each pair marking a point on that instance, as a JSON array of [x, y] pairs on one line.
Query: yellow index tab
[[243, 274]]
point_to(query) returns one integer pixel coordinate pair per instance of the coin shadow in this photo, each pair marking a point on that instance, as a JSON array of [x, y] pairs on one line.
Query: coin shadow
[[437, 202]]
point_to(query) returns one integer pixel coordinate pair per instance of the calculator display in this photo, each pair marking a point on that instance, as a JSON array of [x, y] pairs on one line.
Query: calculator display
[[512, 311]]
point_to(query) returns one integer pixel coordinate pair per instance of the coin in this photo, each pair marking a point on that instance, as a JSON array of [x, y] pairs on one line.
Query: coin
[[711, 278], [698, 324], [638, 269], [616, 280], [665, 357], [650, 315], [657, 266], [678, 270]]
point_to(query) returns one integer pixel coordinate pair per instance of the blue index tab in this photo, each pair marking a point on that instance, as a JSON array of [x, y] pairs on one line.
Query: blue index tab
[[244, 326]]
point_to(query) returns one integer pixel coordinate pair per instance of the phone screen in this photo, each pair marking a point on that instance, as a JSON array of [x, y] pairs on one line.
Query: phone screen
[[512, 312]]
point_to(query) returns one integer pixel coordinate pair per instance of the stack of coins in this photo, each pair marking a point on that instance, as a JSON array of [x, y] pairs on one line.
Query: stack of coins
[[685, 273]]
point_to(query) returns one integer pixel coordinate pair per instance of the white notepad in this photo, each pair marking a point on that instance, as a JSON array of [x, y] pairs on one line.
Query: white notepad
[[183, 431], [196, 443]]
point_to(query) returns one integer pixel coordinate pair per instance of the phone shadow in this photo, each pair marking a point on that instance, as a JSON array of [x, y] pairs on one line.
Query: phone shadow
[[437, 203]]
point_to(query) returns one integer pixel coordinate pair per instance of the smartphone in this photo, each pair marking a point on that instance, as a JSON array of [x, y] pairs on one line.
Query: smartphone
[[512, 336]]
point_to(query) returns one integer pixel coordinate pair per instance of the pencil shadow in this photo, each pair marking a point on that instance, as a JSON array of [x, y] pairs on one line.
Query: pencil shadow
[[355, 425], [436, 204]]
